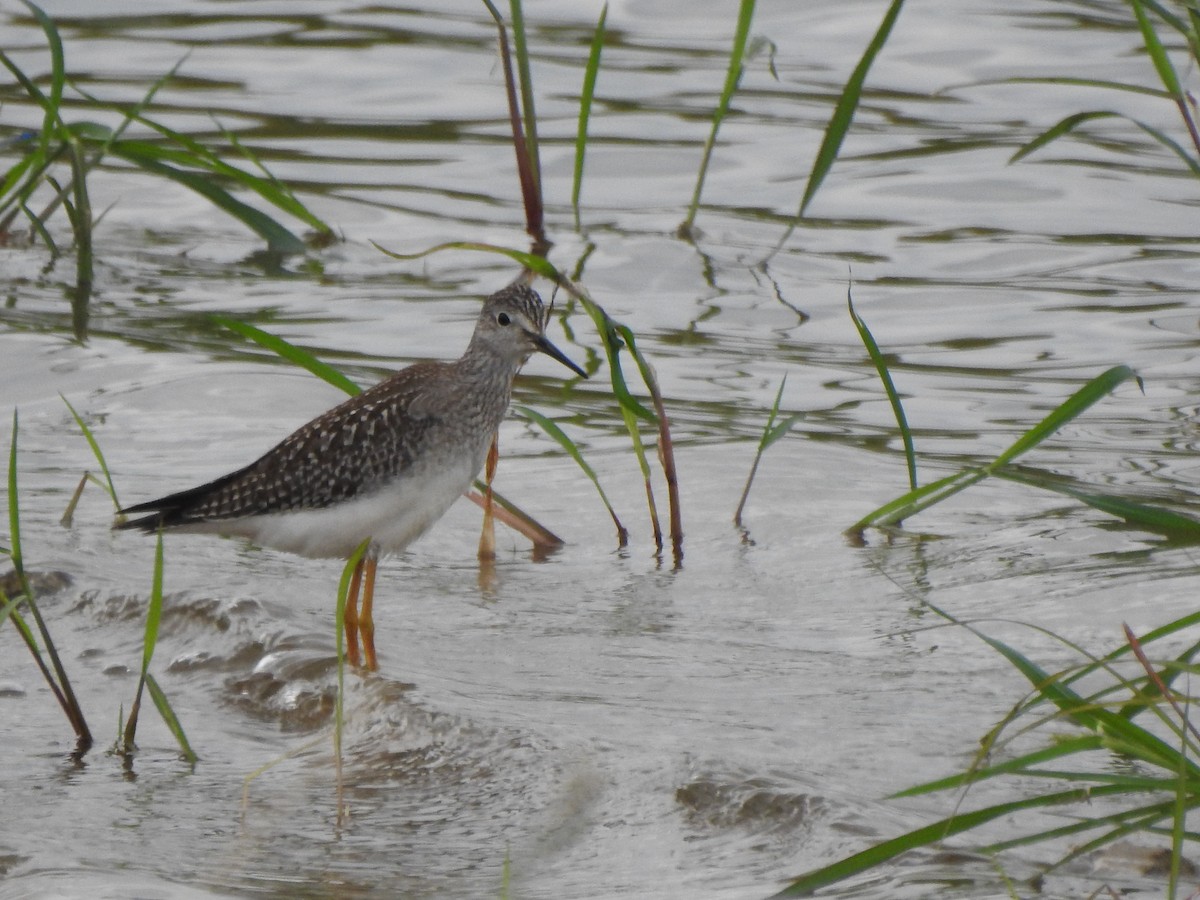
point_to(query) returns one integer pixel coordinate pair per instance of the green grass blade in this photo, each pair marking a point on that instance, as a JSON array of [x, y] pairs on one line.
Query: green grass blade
[[59, 683], [163, 705], [268, 186], [1119, 734], [1157, 52], [531, 261], [1072, 122], [146, 680], [1171, 144], [1019, 765], [551, 428], [1151, 518], [525, 80], [843, 116], [1193, 33], [1099, 83], [1096, 389], [1183, 801], [907, 505], [279, 239], [14, 175], [154, 610], [586, 95], [889, 387], [96, 452], [52, 104], [733, 75], [1169, 17], [195, 155], [1123, 823], [149, 640], [14, 508], [771, 433], [1054, 132], [611, 340], [931, 834], [291, 353]]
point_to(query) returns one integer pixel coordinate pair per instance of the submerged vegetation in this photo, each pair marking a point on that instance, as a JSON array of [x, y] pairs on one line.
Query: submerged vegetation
[[1118, 704]]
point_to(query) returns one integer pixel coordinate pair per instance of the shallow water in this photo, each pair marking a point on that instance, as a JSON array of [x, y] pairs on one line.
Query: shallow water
[[608, 724]]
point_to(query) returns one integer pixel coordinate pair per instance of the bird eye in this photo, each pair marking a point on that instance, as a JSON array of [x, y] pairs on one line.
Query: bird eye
[[503, 319]]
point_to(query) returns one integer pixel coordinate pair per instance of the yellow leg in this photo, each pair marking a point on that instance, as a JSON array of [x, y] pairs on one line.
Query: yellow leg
[[367, 623], [351, 617]]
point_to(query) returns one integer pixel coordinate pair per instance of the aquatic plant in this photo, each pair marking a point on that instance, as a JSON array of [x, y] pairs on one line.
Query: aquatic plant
[[79, 147], [1152, 792], [49, 662]]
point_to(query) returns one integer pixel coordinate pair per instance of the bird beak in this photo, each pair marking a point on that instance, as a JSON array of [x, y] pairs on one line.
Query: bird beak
[[544, 345]]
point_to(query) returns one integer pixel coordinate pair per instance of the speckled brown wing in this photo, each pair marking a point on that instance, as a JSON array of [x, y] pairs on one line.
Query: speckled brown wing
[[347, 451]]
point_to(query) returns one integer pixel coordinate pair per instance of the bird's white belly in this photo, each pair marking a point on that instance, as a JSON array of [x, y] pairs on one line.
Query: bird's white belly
[[391, 517]]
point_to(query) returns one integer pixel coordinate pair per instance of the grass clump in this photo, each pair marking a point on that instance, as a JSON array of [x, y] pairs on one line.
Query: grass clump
[[57, 160], [1132, 709]]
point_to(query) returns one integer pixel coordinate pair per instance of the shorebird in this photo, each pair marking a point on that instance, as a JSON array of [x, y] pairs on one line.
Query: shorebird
[[382, 467]]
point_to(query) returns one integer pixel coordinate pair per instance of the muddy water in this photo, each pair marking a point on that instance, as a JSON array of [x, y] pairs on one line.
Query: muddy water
[[601, 722]]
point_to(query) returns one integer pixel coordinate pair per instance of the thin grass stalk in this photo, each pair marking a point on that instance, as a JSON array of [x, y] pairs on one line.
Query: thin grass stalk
[[105, 137], [733, 75], [81, 222], [59, 683], [927, 495], [528, 112], [163, 705], [771, 433], [666, 447], [1181, 805], [526, 163], [1166, 71], [889, 387], [586, 95], [843, 116], [58, 76], [887, 850], [551, 428], [149, 640], [110, 489]]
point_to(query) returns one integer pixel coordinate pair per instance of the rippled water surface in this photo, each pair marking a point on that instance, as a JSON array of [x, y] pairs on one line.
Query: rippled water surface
[[600, 723]]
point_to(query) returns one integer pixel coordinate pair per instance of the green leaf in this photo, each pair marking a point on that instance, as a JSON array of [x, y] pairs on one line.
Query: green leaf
[[14, 508], [1067, 125], [279, 239], [930, 834], [96, 452], [551, 428], [534, 263], [586, 95], [291, 353], [1158, 53], [907, 505], [1152, 518], [733, 75], [843, 115], [1096, 389], [889, 388], [163, 705], [58, 75]]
